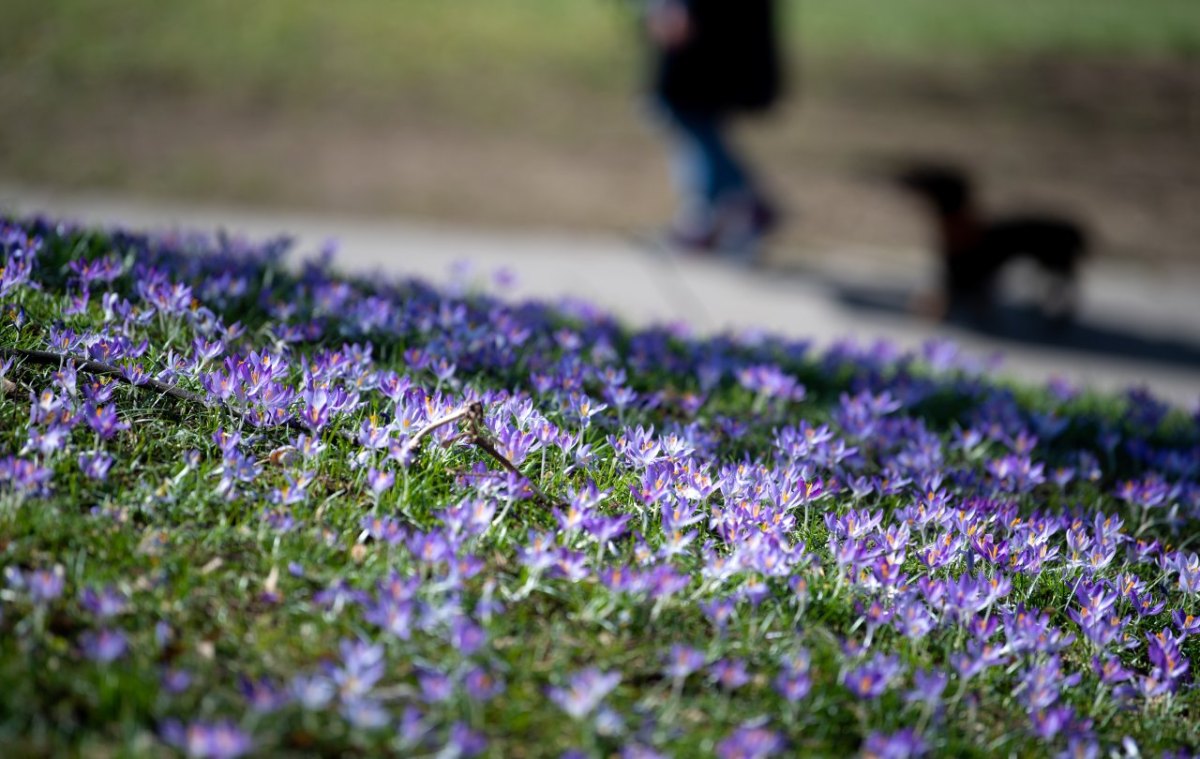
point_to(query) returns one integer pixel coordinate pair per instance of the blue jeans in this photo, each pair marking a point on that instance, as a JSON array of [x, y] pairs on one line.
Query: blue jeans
[[708, 171]]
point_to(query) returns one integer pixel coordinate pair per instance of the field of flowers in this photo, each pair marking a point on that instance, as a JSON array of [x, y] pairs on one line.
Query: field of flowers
[[256, 508]]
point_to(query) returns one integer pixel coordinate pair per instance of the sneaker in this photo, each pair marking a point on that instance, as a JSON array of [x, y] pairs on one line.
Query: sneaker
[[745, 226], [691, 240], [764, 217]]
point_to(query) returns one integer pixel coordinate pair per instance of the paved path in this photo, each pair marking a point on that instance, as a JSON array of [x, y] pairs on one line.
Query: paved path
[[1135, 328]]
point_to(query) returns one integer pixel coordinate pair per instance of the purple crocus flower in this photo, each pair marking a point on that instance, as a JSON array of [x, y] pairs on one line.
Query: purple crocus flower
[[794, 680], [372, 434], [281, 520], [176, 681], [15, 271], [163, 634], [315, 414], [261, 695], [481, 685], [584, 692], [47, 441], [23, 476], [219, 740], [435, 687], [104, 420], [540, 552], [134, 373], [386, 529], [571, 520], [903, 744], [1087, 747], [311, 691], [464, 742], [104, 603], [308, 446], [872, 678], [362, 666], [412, 726], [99, 390], [515, 444], [206, 350], [379, 481], [1187, 624], [1048, 723], [95, 465], [1043, 683], [750, 742], [43, 585], [1188, 569], [927, 689], [294, 489], [365, 713], [977, 658], [104, 646], [719, 611], [605, 529], [1163, 650], [466, 636], [683, 661], [337, 595], [1029, 631], [912, 619], [730, 673]]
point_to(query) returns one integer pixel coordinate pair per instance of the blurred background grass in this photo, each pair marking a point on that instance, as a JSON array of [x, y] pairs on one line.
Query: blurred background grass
[[305, 52], [427, 107]]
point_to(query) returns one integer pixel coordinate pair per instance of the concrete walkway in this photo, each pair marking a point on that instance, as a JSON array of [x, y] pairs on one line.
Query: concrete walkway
[[1135, 328]]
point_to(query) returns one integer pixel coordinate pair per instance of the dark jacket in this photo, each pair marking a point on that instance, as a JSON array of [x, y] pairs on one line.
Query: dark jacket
[[730, 63]]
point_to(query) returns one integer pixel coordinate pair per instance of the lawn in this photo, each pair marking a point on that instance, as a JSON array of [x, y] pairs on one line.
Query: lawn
[[248, 505], [371, 51]]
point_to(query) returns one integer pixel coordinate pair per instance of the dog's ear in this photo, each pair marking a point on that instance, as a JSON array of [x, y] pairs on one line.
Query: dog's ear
[[947, 187]]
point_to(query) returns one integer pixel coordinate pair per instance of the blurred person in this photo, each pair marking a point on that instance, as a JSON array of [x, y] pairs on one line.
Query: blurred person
[[714, 60]]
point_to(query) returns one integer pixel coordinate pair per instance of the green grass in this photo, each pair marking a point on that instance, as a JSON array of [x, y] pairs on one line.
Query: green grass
[[376, 51], [929, 30], [199, 562]]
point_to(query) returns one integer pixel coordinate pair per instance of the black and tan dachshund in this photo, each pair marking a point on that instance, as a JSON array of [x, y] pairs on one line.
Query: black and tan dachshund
[[975, 249]]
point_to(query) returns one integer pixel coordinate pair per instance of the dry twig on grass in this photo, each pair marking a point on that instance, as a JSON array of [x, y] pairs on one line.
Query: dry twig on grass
[[476, 435], [471, 413]]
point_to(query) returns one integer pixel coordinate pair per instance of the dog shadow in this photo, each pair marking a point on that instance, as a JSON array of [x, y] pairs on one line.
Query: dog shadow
[[1025, 324]]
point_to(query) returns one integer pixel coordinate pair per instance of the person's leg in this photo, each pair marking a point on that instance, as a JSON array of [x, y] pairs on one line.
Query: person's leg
[[744, 214], [740, 212], [706, 173], [721, 204], [729, 178]]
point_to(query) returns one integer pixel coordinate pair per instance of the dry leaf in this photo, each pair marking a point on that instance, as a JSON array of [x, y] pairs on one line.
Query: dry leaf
[[282, 456]]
